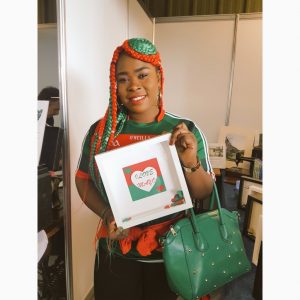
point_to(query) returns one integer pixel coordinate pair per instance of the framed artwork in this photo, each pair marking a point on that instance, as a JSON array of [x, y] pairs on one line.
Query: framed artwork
[[258, 242], [246, 185], [238, 140], [217, 155], [144, 181], [252, 217]]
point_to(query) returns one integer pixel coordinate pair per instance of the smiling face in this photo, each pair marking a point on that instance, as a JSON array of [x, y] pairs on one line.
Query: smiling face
[[138, 86]]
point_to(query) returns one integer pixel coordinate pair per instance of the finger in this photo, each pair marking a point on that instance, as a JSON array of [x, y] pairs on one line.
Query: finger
[[182, 125], [178, 136], [118, 233], [178, 130], [123, 234], [186, 140]]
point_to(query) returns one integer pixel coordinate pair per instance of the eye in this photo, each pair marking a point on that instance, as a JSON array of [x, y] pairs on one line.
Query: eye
[[142, 75], [121, 80]]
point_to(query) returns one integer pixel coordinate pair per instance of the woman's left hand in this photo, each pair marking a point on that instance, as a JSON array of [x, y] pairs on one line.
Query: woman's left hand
[[186, 145]]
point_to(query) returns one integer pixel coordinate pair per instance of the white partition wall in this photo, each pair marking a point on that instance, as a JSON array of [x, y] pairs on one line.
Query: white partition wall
[[47, 56], [139, 25], [246, 102], [93, 30], [48, 60], [197, 58]]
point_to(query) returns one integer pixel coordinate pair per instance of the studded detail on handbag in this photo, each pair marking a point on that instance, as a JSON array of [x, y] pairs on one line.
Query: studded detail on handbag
[[204, 252]]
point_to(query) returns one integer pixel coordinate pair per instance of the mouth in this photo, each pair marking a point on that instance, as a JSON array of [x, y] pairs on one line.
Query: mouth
[[137, 100]]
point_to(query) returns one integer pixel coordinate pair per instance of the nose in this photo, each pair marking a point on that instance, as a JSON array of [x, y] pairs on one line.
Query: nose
[[134, 84]]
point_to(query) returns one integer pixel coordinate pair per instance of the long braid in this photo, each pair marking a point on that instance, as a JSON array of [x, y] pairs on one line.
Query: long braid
[[109, 127], [113, 86]]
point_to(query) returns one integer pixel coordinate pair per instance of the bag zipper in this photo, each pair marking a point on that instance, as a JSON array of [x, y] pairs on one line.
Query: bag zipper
[[174, 233]]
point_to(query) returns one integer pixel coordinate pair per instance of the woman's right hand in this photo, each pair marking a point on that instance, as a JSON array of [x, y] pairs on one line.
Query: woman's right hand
[[114, 232]]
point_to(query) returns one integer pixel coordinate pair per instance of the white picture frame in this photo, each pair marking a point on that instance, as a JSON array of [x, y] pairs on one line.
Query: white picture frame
[[217, 155], [144, 181]]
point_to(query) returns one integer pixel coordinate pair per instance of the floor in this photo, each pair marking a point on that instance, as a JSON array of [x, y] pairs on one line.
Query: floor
[[51, 271]]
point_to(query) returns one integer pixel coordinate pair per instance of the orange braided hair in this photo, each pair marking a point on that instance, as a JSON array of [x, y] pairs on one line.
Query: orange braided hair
[[114, 119]]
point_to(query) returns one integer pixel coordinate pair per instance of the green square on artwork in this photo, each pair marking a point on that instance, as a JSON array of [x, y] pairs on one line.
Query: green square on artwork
[[127, 171]]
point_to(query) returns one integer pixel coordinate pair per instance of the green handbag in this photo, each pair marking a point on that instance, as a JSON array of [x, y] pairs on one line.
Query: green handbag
[[204, 252]]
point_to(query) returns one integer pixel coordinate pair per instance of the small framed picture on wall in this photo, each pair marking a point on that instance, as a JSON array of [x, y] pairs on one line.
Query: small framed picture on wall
[[217, 155]]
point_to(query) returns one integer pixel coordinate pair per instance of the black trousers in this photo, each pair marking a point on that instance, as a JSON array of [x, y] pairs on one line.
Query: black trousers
[[116, 278]]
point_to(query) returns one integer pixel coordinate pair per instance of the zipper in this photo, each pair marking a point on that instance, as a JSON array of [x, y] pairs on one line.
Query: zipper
[[174, 233]]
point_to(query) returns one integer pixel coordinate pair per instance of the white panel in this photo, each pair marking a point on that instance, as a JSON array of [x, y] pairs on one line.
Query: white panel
[[197, 58], [93, 30], [139, 23], [246, 103], [47, 57], [48, 60]]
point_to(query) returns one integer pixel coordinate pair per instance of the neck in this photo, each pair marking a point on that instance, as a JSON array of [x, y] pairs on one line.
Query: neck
[[144, 118]]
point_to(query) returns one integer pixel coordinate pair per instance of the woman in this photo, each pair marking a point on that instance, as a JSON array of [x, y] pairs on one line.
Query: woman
[[129, 263]]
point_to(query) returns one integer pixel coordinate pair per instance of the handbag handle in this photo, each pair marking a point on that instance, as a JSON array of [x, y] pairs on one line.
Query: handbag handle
[[199, 239]]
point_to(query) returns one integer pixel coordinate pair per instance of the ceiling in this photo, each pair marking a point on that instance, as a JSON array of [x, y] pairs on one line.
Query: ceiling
[[47, 11], [170, 8]]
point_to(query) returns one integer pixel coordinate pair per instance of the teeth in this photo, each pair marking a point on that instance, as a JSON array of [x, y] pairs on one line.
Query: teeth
[[137, 98]]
